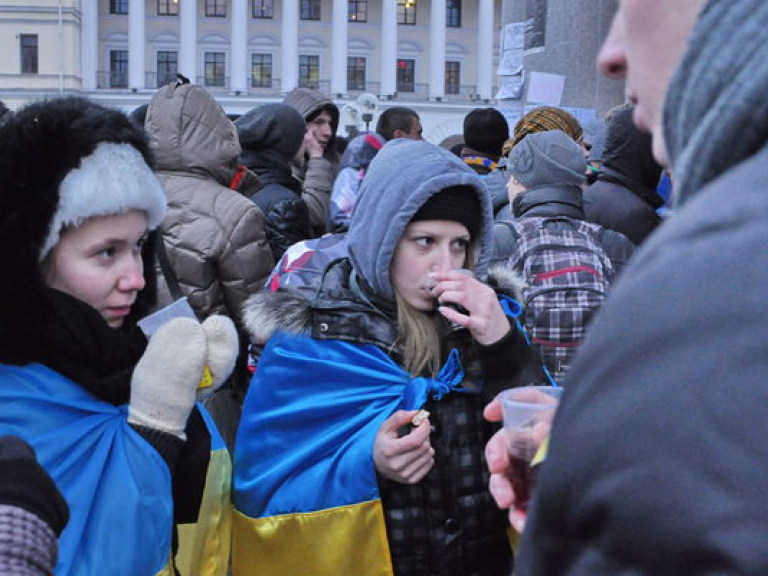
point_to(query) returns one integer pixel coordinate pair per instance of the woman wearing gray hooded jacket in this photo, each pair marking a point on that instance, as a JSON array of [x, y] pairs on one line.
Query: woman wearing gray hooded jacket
[[328, 456]]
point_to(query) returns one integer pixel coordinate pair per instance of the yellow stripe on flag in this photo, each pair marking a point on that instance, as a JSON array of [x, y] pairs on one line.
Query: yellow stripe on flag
[[344, 540]]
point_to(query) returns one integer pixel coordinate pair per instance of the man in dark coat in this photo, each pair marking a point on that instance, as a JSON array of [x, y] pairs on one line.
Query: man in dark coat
[[656, 460], [270, 136], [624, 197]]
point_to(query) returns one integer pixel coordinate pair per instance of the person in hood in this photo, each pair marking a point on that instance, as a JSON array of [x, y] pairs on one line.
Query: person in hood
[[403, 323], [111, 416], [316, 167], [624, 196], [271, 135], [213, 236], [653, 464]]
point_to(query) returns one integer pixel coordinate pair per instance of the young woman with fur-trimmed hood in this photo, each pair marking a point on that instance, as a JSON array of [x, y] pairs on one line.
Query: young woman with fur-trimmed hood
[[328, 457], [111, 417]]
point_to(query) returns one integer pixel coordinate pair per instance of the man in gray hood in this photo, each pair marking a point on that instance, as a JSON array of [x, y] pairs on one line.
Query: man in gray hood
[[657, 456]]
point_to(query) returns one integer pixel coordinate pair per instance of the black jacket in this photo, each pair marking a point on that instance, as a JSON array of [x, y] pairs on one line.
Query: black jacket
[[285, 213], [624, 197]]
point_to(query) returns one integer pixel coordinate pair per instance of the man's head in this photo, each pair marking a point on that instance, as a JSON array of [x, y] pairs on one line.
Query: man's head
[[485, 131], [399, 122], [320, 114], [644, 46]]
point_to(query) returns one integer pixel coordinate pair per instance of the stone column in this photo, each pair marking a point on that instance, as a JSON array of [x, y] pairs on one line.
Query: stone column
[[485, 32], [290, 46], [136, 45], [188, 39], [388, 74], [89, 44], [238, 67], [437, 50], [339, 47]]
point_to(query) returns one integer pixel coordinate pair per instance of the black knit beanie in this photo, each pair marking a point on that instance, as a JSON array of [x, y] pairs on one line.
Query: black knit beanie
[[457, 203]]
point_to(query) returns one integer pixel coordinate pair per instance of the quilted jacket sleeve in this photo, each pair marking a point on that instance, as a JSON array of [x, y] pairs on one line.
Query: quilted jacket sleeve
[[316, 192], [246, 259]]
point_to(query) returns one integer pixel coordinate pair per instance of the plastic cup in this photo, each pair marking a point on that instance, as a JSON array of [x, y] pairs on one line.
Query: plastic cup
[[528, 414]]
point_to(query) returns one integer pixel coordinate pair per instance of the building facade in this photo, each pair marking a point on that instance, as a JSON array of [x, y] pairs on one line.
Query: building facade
[[440, 57]]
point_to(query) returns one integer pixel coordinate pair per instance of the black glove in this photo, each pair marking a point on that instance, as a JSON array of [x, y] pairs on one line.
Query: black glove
[[25, 484]]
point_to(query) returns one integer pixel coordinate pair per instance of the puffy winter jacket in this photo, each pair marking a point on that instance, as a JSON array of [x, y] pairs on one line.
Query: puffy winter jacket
[[213, 236]]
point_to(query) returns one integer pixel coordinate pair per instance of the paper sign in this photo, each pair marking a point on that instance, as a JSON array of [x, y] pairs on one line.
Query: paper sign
[[546, 89]]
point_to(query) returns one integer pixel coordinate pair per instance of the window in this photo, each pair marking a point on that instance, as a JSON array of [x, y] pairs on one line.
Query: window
[[453, 14], [214, 68], [216, 8], [452, 77], [118, 6], [167, 7], [28, 43], [358, 11], [310, 10], [118, 68], [309, 71], [406, 12], [263, 8], [406, 74], [167, 66], [261, 70], [355, 73]]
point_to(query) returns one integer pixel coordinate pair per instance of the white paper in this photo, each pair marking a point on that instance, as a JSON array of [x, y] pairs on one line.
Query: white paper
[[178, 309], [546, 89]]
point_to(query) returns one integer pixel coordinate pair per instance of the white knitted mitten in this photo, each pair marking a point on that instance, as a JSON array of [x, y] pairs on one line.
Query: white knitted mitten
[[165, 380], [223, 347]]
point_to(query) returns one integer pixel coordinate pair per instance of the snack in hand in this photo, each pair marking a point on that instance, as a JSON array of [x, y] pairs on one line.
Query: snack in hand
[[420, 416]]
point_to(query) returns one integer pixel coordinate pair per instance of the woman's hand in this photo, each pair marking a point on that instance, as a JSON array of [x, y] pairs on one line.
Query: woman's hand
[[405, 459], [497, 458], [484, 317]]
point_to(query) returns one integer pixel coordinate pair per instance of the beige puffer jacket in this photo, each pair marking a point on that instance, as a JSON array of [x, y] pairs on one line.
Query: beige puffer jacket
[[213, 236]]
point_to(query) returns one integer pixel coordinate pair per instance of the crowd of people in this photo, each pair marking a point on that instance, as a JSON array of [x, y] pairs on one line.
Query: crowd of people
[[241, 347]]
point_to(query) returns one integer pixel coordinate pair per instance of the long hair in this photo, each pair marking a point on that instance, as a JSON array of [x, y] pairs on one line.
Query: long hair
[[419, 334]]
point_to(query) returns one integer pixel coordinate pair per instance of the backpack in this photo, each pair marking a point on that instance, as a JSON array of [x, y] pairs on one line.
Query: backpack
[[567, 274]]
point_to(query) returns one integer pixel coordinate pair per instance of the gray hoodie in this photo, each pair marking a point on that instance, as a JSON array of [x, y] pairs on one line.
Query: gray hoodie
[[393, 190]]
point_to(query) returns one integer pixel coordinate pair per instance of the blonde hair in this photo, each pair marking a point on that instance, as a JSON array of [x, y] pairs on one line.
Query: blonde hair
[[418, 338]]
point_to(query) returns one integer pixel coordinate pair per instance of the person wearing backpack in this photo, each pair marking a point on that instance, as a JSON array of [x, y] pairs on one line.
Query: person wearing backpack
[[568, 264]]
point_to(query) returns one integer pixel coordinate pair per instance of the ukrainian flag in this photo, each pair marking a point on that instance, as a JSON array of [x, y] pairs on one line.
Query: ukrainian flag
[[204, 546], [117, 486], [305, 492]]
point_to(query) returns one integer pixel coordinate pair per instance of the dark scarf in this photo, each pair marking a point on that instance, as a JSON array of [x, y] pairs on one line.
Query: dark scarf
[[716, 111], [75, 341], [78, 343]]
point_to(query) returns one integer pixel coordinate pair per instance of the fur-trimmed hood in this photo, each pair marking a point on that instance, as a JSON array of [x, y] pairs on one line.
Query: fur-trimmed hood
[[265, 313], [48, 178]]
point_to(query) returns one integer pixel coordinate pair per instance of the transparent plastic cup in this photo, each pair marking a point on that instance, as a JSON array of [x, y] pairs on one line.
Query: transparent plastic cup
[[528, 414]]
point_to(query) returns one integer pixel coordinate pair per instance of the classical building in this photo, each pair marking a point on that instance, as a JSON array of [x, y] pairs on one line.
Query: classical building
[[440, 57]]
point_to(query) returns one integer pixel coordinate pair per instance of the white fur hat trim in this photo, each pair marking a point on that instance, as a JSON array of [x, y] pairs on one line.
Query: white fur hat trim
[[112, 180]]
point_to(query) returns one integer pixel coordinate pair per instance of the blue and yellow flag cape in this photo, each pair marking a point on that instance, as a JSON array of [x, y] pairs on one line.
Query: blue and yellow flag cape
[[305, 492], [204, 546], [117, 486]]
